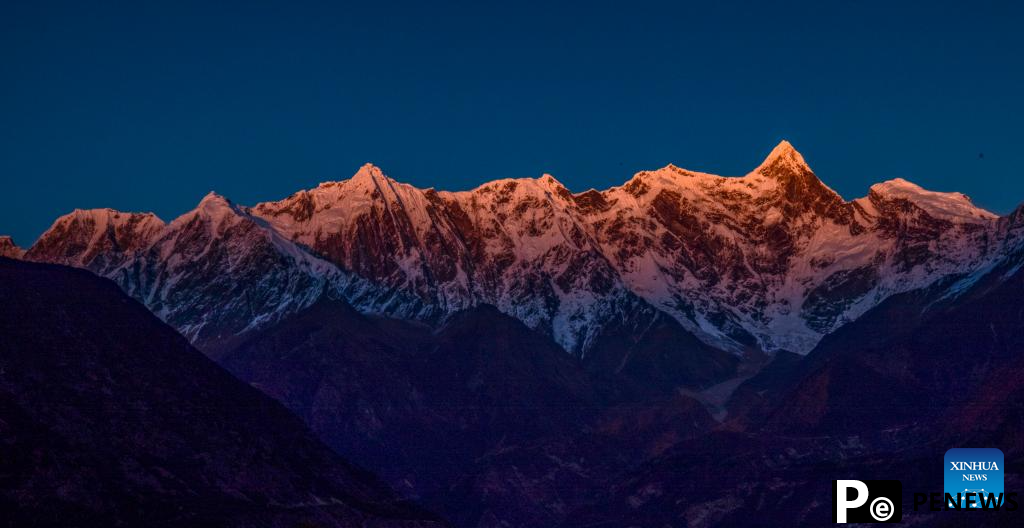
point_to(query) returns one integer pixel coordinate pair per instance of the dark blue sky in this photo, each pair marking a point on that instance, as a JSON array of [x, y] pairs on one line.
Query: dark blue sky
[[107, 104]]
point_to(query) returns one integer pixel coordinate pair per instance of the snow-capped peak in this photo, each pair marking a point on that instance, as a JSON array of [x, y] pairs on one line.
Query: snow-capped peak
[[93, 223], [945, 205], [550, 180], [369, 174], [213, 202], [782, 159], [213, 208], [95, 238], [549, 183]]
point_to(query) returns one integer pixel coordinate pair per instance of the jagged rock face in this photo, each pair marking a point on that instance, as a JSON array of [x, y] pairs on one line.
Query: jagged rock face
[[520, 245], [775, 257], [942, 344], [772, 260], [769, 261], [9, 249], [366, 225], [213, 273], [98, 239]]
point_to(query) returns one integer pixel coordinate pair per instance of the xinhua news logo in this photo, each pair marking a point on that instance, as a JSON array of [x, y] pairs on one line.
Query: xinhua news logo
[[973, 477], [867, 501]]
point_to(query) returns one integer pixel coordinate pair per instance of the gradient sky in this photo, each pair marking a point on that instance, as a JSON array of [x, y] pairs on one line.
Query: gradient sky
[[148, 107]]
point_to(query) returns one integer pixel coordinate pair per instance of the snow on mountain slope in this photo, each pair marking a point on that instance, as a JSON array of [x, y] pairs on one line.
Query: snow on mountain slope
[[776, 257], [1004, 262], [516, 244], [949, 206], [768, 261], [213, 273], [97, 239], [378, 229], [771, 260], [534, 257]]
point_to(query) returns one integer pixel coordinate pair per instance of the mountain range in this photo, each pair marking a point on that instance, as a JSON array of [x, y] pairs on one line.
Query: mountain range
[[770, 261], [685, 349]]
